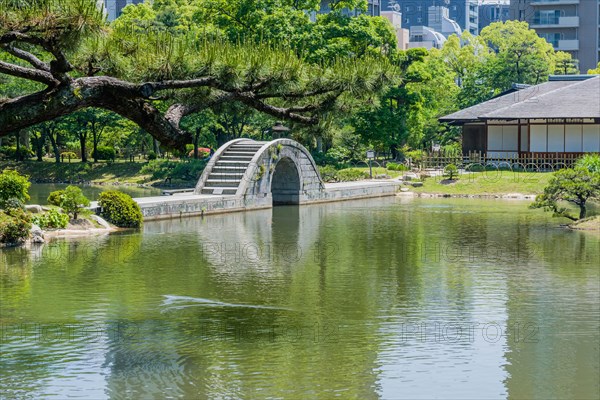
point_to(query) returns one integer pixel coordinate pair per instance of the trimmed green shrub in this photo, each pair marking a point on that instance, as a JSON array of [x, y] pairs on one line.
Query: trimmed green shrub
[[451, 171], [351, 174], [14, 226], [13, 203], [105, 153], [189, 170], [51, 219], [591, 162], [13, 186], [151, 156], [11, 152], [416, 156], [324, 159], [7, 151], [328, 173], [161, 169], [69, 155], [119, 209], [73, 201], [396, 167], [55, 198]]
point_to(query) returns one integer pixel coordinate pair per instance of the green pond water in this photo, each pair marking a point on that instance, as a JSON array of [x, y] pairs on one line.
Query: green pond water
[[384, 298]]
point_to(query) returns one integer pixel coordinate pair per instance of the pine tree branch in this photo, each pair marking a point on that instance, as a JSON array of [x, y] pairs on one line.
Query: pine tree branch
[[28, 73], [26, 56]]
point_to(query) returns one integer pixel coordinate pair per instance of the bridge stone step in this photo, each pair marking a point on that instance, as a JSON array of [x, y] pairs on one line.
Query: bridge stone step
[[219, 190], [243, 149], [230, 183], [227, 175], [228, 171], [240, 153], [249, 142], [232, 163], [225, 169], [227, 157]]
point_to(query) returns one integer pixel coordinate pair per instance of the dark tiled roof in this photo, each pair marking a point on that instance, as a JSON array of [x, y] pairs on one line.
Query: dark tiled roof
[[553, 99]]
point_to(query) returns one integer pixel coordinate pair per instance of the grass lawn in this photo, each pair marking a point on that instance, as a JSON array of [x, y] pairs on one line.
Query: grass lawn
[[491, 182], [480, 183], [381, 170], [124, 172]]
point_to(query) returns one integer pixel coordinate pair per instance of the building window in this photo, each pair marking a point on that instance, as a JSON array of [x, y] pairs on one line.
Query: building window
[[546, 17], [551, 38], [419, 20]]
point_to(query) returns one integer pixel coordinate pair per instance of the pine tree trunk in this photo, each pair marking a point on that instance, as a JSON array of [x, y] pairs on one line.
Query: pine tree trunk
[[55, 148], [156, 147], [83, 149], [582, 210], [196, 139]]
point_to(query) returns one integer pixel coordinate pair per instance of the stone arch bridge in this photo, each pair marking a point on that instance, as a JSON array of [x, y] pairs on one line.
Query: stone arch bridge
[[281, 171], [244, 174]]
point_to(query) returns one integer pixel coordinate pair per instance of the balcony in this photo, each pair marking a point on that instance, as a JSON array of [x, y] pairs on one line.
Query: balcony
[[568, 45], [553, 2], [555, 22]]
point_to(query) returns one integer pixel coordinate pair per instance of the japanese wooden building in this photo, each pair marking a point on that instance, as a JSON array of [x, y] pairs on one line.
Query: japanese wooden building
[[558, 117]]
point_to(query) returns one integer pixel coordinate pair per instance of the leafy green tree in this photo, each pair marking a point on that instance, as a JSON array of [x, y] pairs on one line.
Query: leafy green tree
[[91, 121], [13, 186], [73, 201], [451, 171], [573, 185], [521, 56], [407, 113], [155, 78], [565, 64], [590, 161], [594, 71]]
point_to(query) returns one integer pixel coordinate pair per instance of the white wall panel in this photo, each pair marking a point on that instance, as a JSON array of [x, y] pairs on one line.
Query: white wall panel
[[510, 138], [591, 138], [494, 138], [538, 138], [556, 138], [524, 138], [573, 138]]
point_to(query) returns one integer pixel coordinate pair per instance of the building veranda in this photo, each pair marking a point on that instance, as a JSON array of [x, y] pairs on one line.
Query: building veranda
[[555, 120]]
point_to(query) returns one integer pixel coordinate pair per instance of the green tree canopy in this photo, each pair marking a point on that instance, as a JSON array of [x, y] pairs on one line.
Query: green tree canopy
[[155, 78], [573, 185], [521, 56]]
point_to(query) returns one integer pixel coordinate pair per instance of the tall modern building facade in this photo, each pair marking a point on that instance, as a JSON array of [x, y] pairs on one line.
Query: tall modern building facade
[[416, 12], [373, 8], [569, 25], [493, 11], [113, 8]]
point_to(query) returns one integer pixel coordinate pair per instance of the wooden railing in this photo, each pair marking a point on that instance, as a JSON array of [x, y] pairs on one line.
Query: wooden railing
[[531, 161]]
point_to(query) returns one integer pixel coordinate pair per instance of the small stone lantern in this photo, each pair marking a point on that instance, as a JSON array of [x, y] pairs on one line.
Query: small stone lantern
[[279, 130]]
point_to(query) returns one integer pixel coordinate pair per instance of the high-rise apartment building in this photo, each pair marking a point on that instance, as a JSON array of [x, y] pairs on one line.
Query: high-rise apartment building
[[416, 12], [493, 11], [373, 8], [113, 8], [569, 25]]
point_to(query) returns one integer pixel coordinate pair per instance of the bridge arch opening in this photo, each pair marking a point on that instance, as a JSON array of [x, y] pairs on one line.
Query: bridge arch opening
[[285, 183]]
